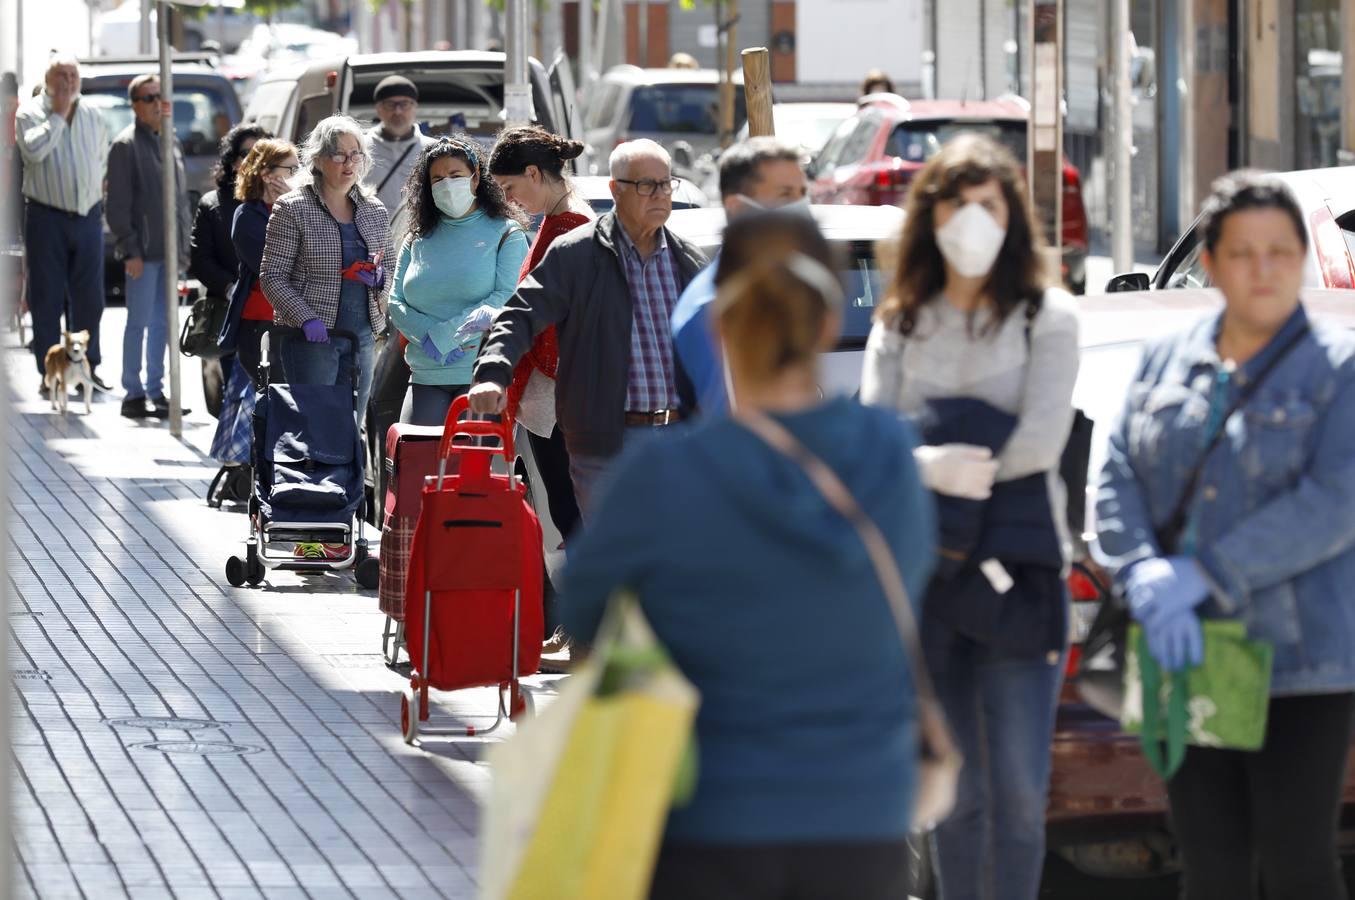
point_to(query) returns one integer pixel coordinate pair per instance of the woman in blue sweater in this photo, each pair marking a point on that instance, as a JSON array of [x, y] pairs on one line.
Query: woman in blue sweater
[[807, 771], [458, 266]]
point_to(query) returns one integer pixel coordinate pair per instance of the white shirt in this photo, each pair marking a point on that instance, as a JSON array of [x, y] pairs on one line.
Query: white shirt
[[64, 161]]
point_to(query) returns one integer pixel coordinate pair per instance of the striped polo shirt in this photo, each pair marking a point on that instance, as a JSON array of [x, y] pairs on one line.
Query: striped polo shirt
[[63, 161]]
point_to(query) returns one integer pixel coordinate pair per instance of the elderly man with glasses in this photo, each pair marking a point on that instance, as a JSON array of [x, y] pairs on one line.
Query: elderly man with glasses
[[609, 288], [64, 146], [397, 141], [136, 216]]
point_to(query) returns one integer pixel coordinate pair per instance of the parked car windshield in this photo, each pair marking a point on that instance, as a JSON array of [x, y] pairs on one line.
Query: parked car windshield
[[920, 141], [201, 117], [681, 108]]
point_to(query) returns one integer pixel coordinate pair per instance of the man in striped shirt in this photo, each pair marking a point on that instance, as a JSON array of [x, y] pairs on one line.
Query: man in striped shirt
[[64, 146]]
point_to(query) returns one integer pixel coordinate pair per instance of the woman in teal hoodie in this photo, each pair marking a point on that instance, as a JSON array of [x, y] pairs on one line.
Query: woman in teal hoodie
[[766, 599], [456, 269]]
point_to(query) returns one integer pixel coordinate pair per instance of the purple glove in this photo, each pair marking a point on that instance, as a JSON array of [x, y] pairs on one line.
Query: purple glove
[[315, 331], [374, 276], [430, 348]]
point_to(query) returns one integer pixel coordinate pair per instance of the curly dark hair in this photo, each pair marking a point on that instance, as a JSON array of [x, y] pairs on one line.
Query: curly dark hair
[[919, 272], [231, 152], [423, 212], [532, 145]]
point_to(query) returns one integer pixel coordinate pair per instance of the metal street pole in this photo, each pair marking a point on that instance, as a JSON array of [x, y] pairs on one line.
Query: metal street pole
[[585, 50], [144, 34], [170, 207], [1122, 196], [517, 94]]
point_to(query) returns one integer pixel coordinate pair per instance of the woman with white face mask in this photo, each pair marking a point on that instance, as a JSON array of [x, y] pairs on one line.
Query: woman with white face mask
[[458, 266], [972, 344]]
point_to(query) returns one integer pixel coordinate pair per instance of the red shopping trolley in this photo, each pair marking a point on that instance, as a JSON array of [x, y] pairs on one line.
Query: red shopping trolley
[[473, 602]]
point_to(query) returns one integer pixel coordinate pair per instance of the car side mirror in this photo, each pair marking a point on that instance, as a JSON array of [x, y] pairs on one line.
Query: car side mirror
[[1129, 281]]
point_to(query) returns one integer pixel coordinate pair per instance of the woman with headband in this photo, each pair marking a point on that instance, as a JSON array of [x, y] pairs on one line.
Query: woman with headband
[[807, 771], [457, 267]]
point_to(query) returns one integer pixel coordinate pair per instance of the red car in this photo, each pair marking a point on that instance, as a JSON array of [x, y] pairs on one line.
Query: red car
[[873, 156]]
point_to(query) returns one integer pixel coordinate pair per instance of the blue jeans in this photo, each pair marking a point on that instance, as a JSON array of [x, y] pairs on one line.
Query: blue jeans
[[147, 330], [992, 846], [65, 256], [307, 363]]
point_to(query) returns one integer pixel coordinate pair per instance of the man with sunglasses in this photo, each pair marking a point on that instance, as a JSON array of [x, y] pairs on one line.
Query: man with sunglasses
[[609, 287], [397, 143], [63, 144], [136, 217]]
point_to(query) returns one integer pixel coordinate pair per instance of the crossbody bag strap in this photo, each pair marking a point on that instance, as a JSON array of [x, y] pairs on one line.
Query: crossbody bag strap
[[413, 142], [882, 558], [1175, 525]]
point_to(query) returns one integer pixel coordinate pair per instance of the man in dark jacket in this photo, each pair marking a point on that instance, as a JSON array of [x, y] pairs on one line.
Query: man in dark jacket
[[609, 287], [137, 219]]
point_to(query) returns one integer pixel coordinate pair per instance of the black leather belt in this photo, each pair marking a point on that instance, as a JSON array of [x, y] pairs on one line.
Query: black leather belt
[[61, 212], [655, 418]]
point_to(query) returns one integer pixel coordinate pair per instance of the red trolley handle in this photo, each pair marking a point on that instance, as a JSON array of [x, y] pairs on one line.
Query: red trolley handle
[[455, 428]]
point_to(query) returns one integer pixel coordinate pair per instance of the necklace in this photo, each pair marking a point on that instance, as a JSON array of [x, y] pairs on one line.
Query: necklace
[[556, 207]]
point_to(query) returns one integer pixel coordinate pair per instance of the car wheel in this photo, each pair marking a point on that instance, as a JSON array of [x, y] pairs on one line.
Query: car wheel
[[213, 386]]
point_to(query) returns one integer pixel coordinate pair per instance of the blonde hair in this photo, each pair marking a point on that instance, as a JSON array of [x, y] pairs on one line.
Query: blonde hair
[[264, 155]]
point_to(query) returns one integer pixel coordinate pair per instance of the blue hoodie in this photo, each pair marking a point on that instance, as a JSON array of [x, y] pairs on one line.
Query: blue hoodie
[[767, 601]]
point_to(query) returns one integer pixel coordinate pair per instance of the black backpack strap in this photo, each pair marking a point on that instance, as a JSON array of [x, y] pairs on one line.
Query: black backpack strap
[[413, 142]]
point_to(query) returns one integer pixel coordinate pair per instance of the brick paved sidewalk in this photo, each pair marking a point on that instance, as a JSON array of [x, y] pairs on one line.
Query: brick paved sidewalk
[[282, 772]]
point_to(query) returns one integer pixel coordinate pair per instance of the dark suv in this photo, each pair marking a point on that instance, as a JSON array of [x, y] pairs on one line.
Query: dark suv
[[872, 157]]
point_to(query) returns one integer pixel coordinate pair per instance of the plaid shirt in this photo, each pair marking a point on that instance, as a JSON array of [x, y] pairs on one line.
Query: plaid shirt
[[301, 272], [654, 292]]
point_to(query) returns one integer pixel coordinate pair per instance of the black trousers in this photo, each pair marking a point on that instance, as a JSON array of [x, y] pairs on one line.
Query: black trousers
[[860, 871], [1270, 818], [552, 459]]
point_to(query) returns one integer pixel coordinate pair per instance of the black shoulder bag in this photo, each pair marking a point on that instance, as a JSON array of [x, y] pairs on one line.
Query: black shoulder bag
[[1100, 672]]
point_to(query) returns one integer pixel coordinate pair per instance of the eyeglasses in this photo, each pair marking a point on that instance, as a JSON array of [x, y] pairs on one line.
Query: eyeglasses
[[355, 157], [397, 105], [291, 170], [646, 187], [147, 98]]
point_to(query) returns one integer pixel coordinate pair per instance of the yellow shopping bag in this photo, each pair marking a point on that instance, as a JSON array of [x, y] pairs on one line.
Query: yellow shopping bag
[[581, 794]]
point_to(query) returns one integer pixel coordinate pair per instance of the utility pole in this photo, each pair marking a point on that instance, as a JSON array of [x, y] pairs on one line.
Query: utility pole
[[517, 93], [585, 78], [1122, 196], [169, 190], [144, 39]]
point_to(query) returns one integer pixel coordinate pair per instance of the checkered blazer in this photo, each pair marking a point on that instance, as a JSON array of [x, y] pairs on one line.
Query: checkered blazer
[[303, 258]]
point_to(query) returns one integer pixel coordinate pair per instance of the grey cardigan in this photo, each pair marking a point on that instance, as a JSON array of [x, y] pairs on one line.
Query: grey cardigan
[[581, 288], [302, 266]]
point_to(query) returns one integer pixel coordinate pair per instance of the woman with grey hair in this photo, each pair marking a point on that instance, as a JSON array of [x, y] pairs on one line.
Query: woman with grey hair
[[322, 262]]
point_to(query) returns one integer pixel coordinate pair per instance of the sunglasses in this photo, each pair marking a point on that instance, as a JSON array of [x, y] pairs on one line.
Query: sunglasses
[[147, 98]]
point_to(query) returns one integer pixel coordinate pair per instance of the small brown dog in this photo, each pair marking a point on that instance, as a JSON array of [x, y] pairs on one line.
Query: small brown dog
[[67, 367]]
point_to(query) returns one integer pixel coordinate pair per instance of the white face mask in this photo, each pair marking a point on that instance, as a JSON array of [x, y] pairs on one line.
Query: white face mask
[[971, 241], [453, 196], [800, 206]]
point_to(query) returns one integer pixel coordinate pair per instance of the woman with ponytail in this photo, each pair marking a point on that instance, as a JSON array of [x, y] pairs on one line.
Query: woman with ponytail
[[529, 164], [807, 771]]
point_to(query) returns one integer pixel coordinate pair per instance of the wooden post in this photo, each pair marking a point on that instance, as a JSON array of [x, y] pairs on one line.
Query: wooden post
[[730, 28], [757, 91]]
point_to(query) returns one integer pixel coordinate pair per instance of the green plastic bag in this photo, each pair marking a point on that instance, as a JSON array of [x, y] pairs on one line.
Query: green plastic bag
[[1222, 703]]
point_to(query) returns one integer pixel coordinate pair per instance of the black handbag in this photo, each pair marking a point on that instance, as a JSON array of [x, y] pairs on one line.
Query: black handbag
[[203, 326], [1100, 671]]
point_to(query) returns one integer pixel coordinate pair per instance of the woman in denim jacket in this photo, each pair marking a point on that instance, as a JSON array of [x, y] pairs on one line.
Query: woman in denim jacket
[[1270, 540]]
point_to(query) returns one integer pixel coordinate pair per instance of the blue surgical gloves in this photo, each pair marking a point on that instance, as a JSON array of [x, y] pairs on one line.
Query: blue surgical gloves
[[430, 347], [460, 340], [477, 321], [1163, 594], [315, 331]]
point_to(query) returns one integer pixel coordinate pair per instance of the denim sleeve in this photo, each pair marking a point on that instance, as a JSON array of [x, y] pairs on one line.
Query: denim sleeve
[[623, 539], [1124, 525], [1301, 528]]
